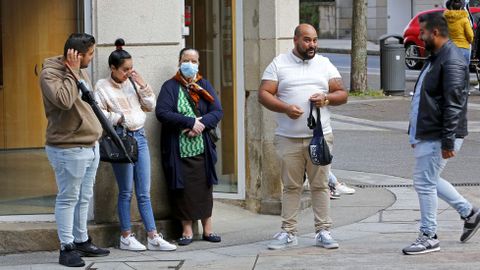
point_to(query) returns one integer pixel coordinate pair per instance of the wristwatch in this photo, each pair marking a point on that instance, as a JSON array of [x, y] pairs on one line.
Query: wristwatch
[[326, 102]]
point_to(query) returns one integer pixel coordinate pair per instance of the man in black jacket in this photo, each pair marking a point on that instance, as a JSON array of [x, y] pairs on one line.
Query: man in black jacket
[[438, 125]]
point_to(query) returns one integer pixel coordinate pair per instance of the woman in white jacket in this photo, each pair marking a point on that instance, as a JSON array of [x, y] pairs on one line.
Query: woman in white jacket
[[124, 97]]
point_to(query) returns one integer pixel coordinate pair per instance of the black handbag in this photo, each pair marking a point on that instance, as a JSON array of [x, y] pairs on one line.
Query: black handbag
[[318, 147], [111, 152]]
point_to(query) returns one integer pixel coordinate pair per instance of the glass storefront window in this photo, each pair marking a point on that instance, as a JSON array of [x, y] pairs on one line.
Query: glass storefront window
[[31, 30], [211, 33]]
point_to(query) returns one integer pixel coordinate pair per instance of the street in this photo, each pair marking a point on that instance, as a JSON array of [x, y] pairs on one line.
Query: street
[[385, 150], [384, 147], [376, 140], [342, 62]]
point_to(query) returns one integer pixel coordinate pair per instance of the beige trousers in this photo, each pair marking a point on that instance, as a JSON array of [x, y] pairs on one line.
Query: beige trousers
[[295, 160]]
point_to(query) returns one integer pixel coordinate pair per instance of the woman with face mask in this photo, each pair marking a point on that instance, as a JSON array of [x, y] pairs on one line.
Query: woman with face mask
[[124, 97], [189, 110]]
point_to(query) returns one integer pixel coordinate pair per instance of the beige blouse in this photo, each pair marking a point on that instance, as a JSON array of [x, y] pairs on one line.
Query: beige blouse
[[117, 99]]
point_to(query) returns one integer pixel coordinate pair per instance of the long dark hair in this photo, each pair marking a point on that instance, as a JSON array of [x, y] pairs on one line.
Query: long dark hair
[[118, 56]]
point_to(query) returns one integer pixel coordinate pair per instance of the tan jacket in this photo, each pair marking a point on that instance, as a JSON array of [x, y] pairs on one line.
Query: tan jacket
[[459, 28], [71, 121]]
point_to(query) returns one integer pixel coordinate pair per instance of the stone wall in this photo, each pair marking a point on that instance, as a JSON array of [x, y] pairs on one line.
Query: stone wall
[[421, 5], [268, 31], [376, 16], [376, 19], [344, 19], [327, 16]]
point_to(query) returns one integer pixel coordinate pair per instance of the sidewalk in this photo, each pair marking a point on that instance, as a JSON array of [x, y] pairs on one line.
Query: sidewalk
[[371, 226], [344, 46]]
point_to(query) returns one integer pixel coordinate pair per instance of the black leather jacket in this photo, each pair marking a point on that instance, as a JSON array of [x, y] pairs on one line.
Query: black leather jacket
[[443, 99]]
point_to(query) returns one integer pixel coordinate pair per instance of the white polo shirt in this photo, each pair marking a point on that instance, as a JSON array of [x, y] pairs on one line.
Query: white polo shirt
[[297, 80]]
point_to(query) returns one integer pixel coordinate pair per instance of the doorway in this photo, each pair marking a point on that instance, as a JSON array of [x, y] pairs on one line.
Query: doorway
[[212, 34], [31, 30]]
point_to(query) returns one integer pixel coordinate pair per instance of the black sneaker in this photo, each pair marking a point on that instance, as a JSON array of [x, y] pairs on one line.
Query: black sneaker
[[423, 244], [471, 225], [69, 256], [88, 249]]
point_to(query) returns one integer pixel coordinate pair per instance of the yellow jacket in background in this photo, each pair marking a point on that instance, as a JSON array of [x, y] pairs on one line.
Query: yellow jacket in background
[[459, 28]]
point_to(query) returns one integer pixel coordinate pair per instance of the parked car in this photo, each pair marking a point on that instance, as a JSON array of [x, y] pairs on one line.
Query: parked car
[[416, 47]]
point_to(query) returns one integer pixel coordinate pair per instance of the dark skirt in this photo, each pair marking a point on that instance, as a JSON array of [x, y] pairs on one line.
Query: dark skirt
[[195, 200]]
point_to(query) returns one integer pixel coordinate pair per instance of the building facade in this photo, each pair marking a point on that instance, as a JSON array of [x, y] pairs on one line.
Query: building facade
[[236, 39], [383, 16]]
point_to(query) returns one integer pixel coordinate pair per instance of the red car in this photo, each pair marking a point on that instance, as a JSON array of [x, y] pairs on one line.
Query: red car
[[414, 46]]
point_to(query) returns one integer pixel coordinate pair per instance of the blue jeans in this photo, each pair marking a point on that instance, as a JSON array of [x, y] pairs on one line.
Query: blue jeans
[[466, 53], [428, 184], [332, 179], [75, 170], [127, 175]]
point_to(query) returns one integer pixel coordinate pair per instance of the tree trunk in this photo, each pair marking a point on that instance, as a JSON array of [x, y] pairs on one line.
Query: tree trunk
[[358, 75]]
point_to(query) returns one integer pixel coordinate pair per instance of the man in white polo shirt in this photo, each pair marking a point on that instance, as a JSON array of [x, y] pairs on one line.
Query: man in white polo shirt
[[289, 84]]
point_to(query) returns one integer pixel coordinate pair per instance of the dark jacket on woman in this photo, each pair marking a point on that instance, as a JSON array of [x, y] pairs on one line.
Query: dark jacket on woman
[[174, 122], [442, 113]]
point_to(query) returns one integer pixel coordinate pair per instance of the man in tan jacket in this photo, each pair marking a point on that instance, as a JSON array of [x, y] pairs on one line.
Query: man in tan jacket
[[72, 148]]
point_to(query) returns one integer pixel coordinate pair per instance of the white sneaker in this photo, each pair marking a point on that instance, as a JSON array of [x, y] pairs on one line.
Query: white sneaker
[[282, 240], [158, 243], [324, 239], [344, 189], [131, 243], [306, 185]]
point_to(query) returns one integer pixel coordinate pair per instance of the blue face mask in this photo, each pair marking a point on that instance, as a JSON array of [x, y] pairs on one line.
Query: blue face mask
[[189, 69]]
